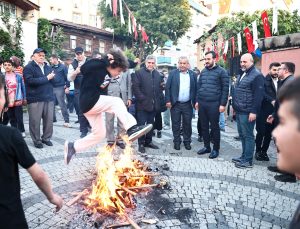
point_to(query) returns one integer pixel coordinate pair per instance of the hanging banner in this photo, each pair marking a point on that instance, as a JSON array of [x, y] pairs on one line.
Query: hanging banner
[[264, 17], [249, 40], [233, 47], [275, 20], [115, 7], [144, 35], [121, 13], [239, 43], [225, 50], [255, 35], [129, 23]]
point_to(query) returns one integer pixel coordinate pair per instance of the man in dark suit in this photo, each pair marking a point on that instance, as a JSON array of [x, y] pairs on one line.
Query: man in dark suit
[[264, 129], [180, 97]]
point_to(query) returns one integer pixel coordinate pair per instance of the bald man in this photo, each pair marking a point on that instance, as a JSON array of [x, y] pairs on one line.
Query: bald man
[[248, 95]]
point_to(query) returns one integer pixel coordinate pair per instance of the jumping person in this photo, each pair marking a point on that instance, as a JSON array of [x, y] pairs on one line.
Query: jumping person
[[93, 105]]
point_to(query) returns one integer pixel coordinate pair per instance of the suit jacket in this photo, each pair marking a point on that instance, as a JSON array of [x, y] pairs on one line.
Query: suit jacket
[[269, 96], [122, 87], [173, 85]]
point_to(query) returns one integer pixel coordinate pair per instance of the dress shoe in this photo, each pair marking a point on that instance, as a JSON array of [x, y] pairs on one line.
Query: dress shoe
[[177, 146], [121, 145], [261, 156], [214, 154], [158, 134], [38, 145], [187, 146], [200, 139], [110, 144], [274, 169], [48, 143], [142, 149], [204, 151], [289, 178], [151, 145]]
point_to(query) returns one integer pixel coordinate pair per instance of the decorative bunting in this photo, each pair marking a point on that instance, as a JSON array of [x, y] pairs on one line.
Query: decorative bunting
[[129, 23], [264, 17], [121, 13], [115, 7], [275, 20], [249, 40], [239, 43], [255, 35], [232, 47], [144, 35], [108, 3], [225, 50]]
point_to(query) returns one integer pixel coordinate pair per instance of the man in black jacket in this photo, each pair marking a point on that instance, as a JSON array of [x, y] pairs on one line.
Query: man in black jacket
[[181, 91], [287, 134], [60, 86], [40, 98], [146, 86], [212, 96], [93, 103], [264, 129], [248, 95]]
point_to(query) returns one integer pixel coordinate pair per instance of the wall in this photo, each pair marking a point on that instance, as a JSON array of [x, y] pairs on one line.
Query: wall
[[288, 55]]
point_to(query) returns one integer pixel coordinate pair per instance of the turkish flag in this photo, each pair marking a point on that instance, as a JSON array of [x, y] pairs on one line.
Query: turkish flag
[[249, 40], [233, 47], [115, 7], [144, 35], [267, 29]]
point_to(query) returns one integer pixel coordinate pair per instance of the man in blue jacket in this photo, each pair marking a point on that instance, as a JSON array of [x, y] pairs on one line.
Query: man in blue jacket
[[248, 96], [180, 98], [60, 86], [40, 98]]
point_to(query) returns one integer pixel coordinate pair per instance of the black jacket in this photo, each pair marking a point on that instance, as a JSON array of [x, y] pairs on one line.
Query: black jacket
[[249, 92], [60, 79], [38, 87], [173, 85], [269, 96], [147, 88], [94, 72], [213, 85]]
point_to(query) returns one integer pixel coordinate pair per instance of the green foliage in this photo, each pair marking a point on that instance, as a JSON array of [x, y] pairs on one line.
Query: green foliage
[[50, 38], [129, 54], [10, 37], [162, 20]]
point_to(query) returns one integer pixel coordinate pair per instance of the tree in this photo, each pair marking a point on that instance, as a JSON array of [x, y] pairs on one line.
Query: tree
[[50, 38], [162, 20], [10, 37]]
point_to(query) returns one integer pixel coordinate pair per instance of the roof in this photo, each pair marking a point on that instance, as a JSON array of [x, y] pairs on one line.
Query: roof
[[80, 27], [213, 29], [24, 4]]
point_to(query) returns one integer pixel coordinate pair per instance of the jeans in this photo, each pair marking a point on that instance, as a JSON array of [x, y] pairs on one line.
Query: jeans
[[222, 120], [59, 93], [245, 129]]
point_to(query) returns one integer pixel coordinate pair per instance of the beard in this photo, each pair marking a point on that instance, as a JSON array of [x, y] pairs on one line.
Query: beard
[[274, 76]]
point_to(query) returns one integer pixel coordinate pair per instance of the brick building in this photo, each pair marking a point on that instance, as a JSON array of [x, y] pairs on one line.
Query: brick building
[[88, 37]]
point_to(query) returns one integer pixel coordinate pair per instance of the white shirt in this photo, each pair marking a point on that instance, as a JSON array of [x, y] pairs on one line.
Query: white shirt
[[243, 76], [275, 81], [184, 87], [41, 66]]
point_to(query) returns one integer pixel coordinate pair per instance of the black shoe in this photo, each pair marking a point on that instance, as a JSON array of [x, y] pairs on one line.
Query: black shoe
[[204, 151], [38, 145], [274, 169], [187, 146], [261, 156], [158, 134], [151, 145], [153, 133], [110, 144], [54, 120], [69, 151], [83, 134], [200, 139], [142, 149], [48, 143], [76, 121], [237, 159], [237, 138], [214, 154], [137, 131], [289, 178], [177, 146], [121, 145]]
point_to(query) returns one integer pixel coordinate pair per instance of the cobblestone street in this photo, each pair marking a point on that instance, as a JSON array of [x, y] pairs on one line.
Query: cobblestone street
[[205, 193]]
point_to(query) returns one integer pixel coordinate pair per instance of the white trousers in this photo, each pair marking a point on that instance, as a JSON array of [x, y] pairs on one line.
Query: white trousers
[[109, 104]]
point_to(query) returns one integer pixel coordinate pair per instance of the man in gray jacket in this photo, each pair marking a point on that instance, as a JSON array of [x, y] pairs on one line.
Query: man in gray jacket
[[118, 87]]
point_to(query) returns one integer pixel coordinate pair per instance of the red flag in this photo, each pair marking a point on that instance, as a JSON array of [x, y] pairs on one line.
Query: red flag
[[134, 27], [115, 7], [144, 35], [233, 47], [249, 40], [264, 17]]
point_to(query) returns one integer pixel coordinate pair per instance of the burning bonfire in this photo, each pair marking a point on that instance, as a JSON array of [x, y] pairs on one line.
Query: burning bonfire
[[116, 183]]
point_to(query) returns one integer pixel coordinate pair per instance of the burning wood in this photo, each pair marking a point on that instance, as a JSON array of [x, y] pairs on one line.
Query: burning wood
[[78, 197]]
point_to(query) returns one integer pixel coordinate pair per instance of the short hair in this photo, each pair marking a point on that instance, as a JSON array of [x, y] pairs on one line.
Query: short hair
[[16, 61], [54, 56], [183, 58], [9, 61], [120, 61], [214, 55], [150, 57], [291, 92], [274, 64], [290, 66]]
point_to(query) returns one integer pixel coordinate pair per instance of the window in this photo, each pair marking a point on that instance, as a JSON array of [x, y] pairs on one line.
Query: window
[[88, 45], [72, 42], [101, 46], [7, 8], [77, 18]]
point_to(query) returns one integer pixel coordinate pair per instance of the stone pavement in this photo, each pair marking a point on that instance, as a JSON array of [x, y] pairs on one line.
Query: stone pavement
[[205, 193]]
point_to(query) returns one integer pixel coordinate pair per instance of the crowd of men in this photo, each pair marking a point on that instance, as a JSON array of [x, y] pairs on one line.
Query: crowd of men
[[138, 97]]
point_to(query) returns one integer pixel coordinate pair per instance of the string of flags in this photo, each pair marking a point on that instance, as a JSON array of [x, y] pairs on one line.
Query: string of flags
[[133, 26], [251, 38]]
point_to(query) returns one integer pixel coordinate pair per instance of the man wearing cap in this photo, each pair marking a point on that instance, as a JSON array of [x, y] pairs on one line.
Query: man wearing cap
[[74, 74], [40, 98]]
